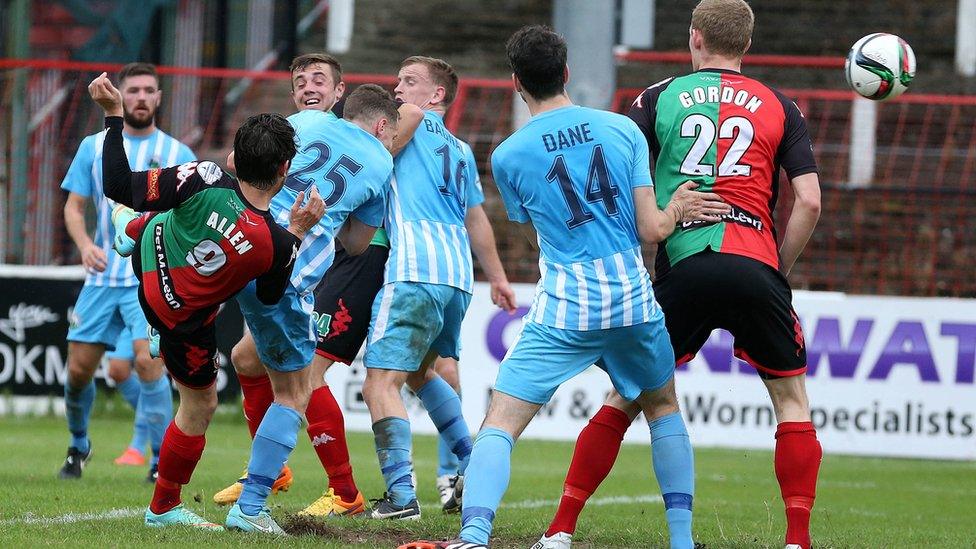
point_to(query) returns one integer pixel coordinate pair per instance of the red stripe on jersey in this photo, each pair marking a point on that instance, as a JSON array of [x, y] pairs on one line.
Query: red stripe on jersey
[[747, 163]]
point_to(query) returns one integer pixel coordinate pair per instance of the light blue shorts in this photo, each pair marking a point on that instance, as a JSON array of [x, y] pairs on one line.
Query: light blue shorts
[[102, 312], [283, 333], [638, 358], [123, 348], [411, 318]]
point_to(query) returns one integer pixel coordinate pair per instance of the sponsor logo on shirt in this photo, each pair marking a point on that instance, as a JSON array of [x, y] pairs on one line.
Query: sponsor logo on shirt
[[152, 185]]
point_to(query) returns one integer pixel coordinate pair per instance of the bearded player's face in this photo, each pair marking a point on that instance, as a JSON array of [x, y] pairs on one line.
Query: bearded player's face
[[140, 99]]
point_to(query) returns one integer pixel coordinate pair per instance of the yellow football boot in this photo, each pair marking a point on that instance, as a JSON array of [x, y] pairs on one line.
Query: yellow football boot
[[230, 494], [331, 505]]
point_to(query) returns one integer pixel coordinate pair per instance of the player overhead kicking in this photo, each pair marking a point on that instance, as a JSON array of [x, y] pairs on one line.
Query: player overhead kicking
[[211, 235], [726, 275], [580, 178], [428, 282], [343, 300], [350, 163]]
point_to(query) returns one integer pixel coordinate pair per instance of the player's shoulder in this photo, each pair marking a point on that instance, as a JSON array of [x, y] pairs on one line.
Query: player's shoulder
[[307, 119]]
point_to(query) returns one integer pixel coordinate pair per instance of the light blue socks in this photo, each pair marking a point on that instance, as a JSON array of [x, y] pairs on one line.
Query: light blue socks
[[674, 467], [485, 483], [273, 443]]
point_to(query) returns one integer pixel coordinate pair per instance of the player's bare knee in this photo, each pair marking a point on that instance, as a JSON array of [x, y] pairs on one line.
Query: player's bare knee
[[244, 358], [416, 380], [148, 368], [119, 370], [660, 402]]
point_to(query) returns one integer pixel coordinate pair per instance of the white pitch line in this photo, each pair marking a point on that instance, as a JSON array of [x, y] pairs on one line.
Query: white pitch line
[[115, 514], [112, 514]]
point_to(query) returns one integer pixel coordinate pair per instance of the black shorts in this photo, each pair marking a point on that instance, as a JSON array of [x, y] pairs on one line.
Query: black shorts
[[748, 298], [344, 302], [189, 350]]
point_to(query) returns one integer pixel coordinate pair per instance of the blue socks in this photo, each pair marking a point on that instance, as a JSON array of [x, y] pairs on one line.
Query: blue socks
[[156, 402], [674, 467], [484, 486], [444, 408], [273, 443], [130, 391], [447, 462], [393, 445], [78, 405]]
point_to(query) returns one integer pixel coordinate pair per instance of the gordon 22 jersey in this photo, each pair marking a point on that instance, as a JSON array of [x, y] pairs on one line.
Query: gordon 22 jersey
[[730, 134]]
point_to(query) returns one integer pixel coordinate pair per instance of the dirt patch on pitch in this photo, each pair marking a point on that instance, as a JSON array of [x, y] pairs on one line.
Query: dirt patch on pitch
[[382, 534]]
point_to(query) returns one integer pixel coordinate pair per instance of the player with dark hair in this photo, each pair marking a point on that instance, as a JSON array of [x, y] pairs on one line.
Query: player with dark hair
[[343, 297], [108, 302], [427, 286], [350, 163], [207, 236], [731, 134], [580, 178]]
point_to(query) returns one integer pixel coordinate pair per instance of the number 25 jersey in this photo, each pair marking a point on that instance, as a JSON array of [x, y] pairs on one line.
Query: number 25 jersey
[[730, 134]]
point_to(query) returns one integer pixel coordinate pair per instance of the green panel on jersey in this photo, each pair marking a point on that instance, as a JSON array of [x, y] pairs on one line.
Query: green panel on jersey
[[380, 238], [691, 157], [207, 215]]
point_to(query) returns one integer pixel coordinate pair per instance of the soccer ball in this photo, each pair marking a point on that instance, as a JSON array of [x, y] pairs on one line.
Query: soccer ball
[[880, 66]]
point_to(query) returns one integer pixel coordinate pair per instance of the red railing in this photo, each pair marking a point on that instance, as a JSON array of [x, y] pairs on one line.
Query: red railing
[[908, 231]]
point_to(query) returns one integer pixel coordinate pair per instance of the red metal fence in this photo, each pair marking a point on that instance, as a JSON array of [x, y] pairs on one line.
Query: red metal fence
[[908, 231]]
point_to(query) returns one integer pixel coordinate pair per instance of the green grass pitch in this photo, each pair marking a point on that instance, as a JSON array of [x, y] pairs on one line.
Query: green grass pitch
[[861, 502]]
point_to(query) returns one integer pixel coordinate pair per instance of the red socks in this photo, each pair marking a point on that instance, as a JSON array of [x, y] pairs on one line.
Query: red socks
[[258, 397], [178, 457], [596, 450], [797, 462], [327, 430]]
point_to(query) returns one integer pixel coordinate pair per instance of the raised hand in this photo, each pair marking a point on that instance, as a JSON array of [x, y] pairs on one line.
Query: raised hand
[[304, 217], [106, 95]]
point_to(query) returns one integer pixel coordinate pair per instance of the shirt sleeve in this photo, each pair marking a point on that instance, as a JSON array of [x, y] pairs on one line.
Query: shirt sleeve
[[158, 189], [643, 112], [795, 152], [270, 286], [78, 180], [475, 194], [373, 211], [513, 203], [641, 171]]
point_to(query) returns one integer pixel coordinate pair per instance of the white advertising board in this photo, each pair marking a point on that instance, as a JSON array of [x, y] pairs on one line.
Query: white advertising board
[[888, 376]]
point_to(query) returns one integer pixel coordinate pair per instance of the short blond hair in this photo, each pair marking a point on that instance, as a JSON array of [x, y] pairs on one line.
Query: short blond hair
[[441, 72], [726, 26]]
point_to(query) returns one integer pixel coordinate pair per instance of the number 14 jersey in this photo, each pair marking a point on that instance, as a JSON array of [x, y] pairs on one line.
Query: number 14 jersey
[[571, 172], [730, 134]]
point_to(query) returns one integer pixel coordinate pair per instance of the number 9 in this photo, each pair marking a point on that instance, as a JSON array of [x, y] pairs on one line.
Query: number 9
[[207, 257]]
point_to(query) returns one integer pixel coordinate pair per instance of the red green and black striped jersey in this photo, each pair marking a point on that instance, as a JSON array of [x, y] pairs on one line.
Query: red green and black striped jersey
[[730, 134], [206, 243]]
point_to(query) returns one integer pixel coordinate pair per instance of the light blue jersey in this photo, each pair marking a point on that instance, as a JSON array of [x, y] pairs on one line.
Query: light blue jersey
[[436, 181], [571, 172], [352, 170], [84, 177]]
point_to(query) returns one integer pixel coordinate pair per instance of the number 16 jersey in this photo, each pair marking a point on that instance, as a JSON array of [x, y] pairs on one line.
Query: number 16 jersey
[[572, 171], [730, 134]]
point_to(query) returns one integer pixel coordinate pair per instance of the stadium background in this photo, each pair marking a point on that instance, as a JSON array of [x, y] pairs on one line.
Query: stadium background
[[898, 202]]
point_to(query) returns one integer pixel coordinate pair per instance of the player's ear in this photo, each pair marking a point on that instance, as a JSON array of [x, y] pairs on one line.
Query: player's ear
[[749, 45], [230, 163], [439, 94], [283, 170], [340, 90], [516, 83], [565, 74]]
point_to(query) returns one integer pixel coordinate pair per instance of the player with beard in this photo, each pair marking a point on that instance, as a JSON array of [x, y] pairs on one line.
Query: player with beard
[[343, 300], [108, 301]]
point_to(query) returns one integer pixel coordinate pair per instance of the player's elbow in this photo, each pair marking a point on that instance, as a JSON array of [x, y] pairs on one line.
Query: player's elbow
[[809, 204]]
